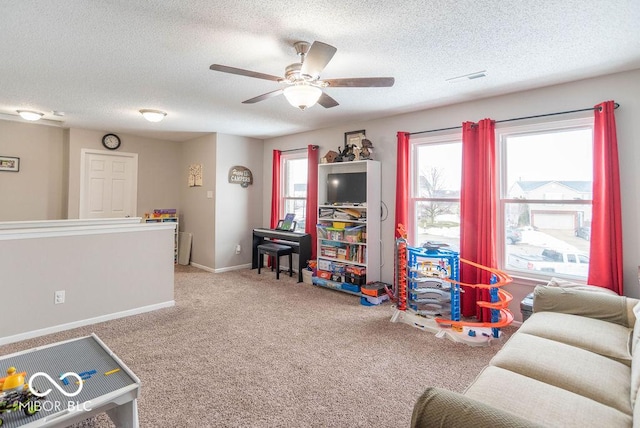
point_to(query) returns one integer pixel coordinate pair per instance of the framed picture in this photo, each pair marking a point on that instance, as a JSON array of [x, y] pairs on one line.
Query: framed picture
[[354, 138], [9, 164]]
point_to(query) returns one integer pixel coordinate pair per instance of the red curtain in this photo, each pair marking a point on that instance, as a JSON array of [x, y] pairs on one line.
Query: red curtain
[[311, 216], [402, 182], [275, 193], [605, 261], [478, 212], [275, 189]]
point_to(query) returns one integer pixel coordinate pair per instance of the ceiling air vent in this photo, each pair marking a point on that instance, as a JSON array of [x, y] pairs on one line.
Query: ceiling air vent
[[470, 76]]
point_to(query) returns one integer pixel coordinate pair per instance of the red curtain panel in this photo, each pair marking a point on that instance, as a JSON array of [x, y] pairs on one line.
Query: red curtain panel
[[311, 215], [275, 189], [477, 212], [402, 182], [275, 193], [605, 258]]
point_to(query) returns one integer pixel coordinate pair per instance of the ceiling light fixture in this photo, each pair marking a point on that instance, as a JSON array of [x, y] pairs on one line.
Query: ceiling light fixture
[[153, 115], [302, 95], [30, 115]]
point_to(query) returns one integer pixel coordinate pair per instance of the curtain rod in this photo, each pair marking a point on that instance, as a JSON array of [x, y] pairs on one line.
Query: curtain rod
[[616, 105], [297, 150]]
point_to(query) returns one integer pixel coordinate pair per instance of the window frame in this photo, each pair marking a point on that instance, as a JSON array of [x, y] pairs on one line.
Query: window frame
[[284, 159], [415, 145], [502, 134]]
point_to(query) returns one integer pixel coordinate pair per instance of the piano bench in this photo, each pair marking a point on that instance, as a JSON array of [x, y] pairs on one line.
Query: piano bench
[[275, 250]]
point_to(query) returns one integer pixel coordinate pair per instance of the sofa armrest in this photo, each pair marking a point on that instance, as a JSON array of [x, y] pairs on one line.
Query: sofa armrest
[[602, 306], [441, 408]]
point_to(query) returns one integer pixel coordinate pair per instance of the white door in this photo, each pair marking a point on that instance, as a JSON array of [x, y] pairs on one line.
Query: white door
[[109, 185]]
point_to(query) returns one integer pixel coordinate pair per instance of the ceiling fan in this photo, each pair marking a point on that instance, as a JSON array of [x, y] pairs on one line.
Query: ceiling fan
[[302, 79]]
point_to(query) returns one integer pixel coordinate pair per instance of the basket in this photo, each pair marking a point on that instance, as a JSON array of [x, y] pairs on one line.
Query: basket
[[306, 276]]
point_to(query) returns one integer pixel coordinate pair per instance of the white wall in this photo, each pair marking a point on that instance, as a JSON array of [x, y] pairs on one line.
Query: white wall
[[238, 209], [36, 191], [623, 88], [105, 271], [158, 169], [198, 212]]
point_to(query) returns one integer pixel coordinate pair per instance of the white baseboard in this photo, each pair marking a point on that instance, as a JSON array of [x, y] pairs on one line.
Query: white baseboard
[[229, 269], [203, 267], [82, 323], [226, 269]]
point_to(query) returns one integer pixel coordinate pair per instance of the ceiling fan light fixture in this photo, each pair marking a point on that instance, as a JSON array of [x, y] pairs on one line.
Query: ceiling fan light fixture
[[153, 115], [302, 96], [30, 115]]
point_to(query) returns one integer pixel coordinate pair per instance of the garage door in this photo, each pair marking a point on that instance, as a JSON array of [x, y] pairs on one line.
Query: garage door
[[545, 220]]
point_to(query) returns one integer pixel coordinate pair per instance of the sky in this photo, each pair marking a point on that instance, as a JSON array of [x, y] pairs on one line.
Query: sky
[[562, 156]]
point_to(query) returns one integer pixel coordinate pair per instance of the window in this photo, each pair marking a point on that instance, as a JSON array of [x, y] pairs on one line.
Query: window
[[545, 197], [435, 191], [294, 188]]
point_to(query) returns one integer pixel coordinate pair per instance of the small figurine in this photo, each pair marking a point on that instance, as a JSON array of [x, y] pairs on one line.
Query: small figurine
[[345, 155], [331, 156], [367, 149], [356, 152]]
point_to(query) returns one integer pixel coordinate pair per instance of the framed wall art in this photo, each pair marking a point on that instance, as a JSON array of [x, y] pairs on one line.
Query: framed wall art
[[354, 138], [8, 163]]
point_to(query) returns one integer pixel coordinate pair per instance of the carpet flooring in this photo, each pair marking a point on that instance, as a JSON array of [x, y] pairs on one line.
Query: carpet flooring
[[246, 350]]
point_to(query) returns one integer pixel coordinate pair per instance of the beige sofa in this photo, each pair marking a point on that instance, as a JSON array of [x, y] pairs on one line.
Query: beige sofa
[[573, 363]]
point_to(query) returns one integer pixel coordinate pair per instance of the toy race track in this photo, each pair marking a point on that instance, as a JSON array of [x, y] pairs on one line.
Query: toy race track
[[427, 294]]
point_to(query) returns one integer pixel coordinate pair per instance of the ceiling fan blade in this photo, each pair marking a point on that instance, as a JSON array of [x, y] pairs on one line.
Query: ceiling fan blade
[[243, 72], [317, 59], [326, 101], [361, 82], [264, 96]]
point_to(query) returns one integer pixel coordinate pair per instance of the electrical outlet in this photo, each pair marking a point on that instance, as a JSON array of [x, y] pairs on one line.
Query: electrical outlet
[[58, 297], [238, 249]]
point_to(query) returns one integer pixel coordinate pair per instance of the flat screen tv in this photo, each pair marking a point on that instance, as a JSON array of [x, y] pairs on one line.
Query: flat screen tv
[[347, 188]]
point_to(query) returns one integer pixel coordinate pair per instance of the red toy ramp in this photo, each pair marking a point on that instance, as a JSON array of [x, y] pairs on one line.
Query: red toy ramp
[[504, 298], [506, 318]]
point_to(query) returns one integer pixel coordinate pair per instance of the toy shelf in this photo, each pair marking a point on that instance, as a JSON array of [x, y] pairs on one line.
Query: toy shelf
[[348, 239], [165, 216]]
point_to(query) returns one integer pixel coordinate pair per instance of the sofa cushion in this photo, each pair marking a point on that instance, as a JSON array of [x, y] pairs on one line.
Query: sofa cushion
[[439, 408], [602, 337], [635, 361], [602, 306], [599, 378], [564, 283], [542, 403]]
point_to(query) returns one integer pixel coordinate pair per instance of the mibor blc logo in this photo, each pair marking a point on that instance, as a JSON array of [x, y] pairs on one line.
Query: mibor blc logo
[[54, 383]]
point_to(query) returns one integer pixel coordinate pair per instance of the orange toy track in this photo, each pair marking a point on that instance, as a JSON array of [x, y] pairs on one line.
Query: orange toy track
[[506, 317]]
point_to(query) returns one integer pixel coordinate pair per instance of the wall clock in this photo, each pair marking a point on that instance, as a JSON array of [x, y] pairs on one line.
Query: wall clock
[[111, 141]]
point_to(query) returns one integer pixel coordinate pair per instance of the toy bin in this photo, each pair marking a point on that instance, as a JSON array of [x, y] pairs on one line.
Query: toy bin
[[351, 287], [307, 276], [323, 233], [353, 278], [374, 289], [373, 301], [353, 234], [335, 234]]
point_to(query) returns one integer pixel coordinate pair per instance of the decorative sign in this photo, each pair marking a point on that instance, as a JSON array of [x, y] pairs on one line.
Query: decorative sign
[[240, 175]]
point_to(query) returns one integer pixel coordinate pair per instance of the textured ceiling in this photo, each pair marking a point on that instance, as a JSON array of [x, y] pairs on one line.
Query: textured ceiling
[[99, 62]]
